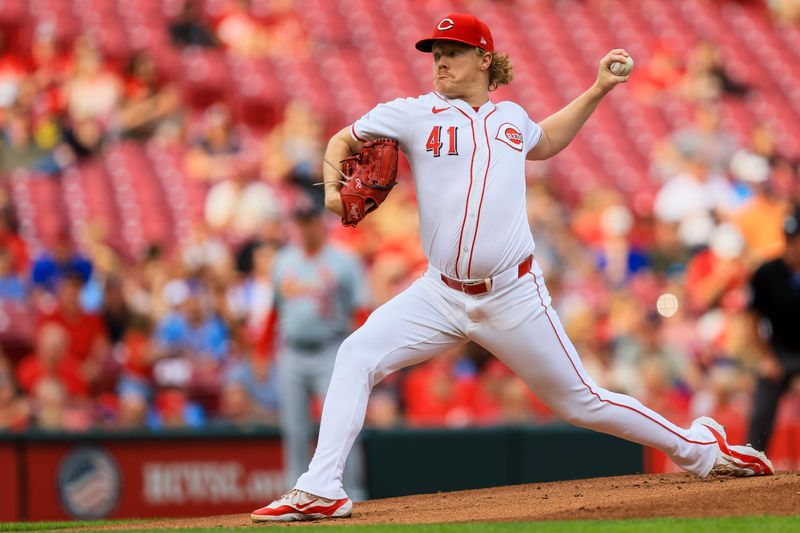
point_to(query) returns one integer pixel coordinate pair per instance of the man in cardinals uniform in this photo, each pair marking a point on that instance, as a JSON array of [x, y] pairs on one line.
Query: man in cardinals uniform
[[483, 284]]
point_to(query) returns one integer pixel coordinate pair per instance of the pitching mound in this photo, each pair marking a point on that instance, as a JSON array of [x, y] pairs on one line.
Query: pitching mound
[[675, 495]]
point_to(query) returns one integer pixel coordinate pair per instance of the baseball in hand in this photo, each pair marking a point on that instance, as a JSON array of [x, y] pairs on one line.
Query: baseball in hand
[[667, 305], [622, 69]]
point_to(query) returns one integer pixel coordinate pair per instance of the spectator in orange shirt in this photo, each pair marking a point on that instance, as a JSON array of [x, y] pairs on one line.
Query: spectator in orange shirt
[[760, 219]]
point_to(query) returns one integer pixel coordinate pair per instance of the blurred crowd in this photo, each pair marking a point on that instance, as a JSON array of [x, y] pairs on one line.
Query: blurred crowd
[[177, 334]]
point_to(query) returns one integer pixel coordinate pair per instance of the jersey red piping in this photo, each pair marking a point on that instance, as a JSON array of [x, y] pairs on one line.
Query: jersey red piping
[[590, 388], [355, 135], [483, 190], [469, 190]]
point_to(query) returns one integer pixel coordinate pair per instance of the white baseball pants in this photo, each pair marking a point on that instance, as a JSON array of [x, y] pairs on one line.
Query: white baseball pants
[[302, 374], [517, 324]]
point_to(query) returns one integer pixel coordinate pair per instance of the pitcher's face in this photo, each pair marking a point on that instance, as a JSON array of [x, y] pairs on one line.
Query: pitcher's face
[[456, 68]]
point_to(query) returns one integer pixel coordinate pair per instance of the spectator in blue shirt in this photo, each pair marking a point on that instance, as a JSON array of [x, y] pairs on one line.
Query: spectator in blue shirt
[[12, 287]]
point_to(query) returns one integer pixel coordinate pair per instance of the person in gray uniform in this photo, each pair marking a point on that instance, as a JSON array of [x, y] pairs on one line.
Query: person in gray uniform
[[319, 296]]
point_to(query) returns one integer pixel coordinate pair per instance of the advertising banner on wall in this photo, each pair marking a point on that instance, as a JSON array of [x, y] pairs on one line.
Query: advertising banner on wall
[[9, 481], [150, 477]]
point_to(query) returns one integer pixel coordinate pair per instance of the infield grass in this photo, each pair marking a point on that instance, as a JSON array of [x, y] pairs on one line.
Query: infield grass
[[767, 524]]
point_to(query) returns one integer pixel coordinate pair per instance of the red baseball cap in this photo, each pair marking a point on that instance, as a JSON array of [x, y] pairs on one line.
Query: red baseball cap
[[462, 28]]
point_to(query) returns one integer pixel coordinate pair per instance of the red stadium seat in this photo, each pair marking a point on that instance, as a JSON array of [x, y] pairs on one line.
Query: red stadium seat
[[206, 78]]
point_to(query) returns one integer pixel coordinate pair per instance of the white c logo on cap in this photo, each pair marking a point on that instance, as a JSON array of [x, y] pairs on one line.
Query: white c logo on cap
[[445, 24]]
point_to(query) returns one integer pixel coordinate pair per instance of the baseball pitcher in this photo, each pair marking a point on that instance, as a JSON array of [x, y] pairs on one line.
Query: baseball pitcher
[[468, 154]]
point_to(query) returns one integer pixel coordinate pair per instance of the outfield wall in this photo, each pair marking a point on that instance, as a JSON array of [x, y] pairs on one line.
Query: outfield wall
[[54, 476]]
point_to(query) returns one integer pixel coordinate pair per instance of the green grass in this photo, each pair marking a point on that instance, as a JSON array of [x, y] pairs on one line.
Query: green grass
[[44, 526], [656, 525]]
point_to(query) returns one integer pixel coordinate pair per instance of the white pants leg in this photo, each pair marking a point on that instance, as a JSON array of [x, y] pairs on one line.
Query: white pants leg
[[412, 327], [354, 479], [520, 328]]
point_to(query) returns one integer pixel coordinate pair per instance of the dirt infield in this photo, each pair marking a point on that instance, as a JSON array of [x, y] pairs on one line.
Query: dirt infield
[[675, 495]]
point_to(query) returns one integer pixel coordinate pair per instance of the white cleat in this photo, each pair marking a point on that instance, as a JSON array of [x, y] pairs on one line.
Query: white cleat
[[735, 461], [297, 505]]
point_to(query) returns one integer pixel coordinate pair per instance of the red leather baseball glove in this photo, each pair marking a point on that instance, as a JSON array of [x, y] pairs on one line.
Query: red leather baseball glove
[[371, 175]]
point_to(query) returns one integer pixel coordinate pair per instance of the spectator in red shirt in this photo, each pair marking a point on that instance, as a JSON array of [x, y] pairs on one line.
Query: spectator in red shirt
[[10, 239], [435, 395], [136, 354], [52, 62], [717, 270], [52, 360], [13, 71], [86, 337]]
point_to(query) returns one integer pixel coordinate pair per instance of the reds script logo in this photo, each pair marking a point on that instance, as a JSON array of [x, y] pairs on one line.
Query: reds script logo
[[445, 24], [509, 134]]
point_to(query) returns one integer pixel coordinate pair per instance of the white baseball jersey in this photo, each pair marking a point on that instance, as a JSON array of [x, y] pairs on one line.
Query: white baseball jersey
[[469, 173]]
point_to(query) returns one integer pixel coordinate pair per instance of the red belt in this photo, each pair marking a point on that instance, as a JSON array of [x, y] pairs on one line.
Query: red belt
[[482, 286]]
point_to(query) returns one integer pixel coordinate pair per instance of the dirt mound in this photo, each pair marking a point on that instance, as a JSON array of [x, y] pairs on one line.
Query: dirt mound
[[676, 495]]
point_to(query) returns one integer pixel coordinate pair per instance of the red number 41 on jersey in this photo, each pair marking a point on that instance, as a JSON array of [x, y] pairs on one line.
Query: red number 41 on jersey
[[434, 143]]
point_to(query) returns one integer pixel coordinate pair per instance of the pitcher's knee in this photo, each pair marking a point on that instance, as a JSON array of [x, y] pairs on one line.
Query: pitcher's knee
[[353, 359], [579, 409]]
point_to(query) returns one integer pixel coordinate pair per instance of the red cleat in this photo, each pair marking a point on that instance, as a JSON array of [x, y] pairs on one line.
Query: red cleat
[[297, 505], [735, 461]]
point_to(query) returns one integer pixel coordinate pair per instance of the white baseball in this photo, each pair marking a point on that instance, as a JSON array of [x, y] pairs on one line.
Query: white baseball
[[667, 305], [622, 69]]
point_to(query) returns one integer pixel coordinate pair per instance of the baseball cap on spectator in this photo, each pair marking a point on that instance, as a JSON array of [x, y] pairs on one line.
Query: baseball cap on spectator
[[749, 167], [461, 28]]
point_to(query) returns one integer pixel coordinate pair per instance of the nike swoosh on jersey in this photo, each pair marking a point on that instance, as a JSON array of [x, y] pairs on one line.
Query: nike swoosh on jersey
[[434, 110]]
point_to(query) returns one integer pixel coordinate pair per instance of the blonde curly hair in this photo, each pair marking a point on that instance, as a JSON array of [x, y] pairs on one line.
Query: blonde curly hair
[[501, 71]]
